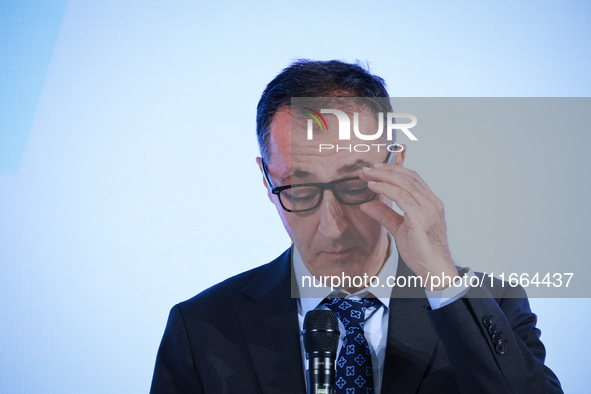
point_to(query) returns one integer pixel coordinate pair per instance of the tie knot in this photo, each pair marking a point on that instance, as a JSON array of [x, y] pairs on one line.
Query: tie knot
[[350, 311]]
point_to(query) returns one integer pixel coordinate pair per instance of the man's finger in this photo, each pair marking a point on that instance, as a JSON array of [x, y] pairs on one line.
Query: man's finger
[[411, 185], [383, 214], [404, 199]]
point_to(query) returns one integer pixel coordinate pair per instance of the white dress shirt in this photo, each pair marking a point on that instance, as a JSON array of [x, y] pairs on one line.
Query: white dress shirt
[[376, 318]]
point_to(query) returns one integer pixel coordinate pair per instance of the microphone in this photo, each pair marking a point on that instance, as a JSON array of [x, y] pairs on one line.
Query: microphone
[[321, 339]]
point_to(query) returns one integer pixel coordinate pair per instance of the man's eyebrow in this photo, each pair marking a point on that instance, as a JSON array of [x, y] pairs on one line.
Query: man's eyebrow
[[297, 173], [346, 169], [349, 168]]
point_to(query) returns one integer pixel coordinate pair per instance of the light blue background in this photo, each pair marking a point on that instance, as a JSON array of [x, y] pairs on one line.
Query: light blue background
[[122, 123]]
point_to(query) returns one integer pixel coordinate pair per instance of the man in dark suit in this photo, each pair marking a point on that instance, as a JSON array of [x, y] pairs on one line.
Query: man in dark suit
[[244, 334]]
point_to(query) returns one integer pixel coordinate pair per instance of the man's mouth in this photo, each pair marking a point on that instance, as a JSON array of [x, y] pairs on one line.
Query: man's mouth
[[339, 253]]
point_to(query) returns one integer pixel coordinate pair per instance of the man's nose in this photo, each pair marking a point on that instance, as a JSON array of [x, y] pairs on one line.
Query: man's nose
[[332, 221]]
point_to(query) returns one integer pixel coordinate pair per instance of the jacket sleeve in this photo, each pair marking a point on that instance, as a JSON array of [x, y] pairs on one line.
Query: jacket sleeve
[[493, 344], [175, 370]]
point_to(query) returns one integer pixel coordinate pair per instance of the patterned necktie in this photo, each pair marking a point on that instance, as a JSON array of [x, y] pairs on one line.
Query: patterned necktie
[[354, 372]]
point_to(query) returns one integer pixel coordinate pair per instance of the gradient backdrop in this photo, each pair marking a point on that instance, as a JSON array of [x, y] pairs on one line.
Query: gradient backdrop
[[127, 173]]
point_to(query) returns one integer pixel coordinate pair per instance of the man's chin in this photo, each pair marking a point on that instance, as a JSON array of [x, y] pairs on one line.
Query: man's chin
[[337, 265], [339, 258]]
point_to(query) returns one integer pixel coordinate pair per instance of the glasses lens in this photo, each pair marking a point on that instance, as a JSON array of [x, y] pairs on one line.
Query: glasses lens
[[300, 198], [354, 191]]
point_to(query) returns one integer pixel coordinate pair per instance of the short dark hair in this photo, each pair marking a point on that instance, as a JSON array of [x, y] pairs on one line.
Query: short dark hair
[[309, 78]]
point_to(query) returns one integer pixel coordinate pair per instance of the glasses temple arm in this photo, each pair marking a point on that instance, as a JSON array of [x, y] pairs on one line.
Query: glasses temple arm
[[266, 173]]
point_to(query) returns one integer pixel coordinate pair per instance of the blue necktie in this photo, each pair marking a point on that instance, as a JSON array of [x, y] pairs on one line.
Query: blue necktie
[[354, 371]]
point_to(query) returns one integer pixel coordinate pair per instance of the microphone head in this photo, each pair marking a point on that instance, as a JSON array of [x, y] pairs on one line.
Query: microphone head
[[321, 332]]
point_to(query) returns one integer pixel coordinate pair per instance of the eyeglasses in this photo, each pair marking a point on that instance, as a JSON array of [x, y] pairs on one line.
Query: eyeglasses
[[308, 196]]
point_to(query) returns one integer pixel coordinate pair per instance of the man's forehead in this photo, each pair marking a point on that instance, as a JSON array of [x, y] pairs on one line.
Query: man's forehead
[[292, 128], [294, 155], [301, 170], [305, 165]]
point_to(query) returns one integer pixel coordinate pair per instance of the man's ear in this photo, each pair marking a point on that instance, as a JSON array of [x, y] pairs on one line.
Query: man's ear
[[399, 156], [269, 194]]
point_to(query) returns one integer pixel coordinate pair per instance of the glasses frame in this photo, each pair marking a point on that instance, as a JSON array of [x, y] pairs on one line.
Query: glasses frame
[[323, 186]]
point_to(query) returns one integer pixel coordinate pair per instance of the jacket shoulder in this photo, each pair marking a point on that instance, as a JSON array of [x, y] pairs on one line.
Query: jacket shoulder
[[237, 290]]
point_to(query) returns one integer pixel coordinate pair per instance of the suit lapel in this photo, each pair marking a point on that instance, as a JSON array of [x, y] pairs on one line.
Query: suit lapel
[[271, 329], [411, 339]]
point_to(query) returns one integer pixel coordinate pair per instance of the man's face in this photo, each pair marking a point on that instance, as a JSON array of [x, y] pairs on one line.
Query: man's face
[[334, 238]]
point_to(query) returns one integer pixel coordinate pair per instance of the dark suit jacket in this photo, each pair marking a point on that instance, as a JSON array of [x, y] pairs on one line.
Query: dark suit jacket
[[242, 336]]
